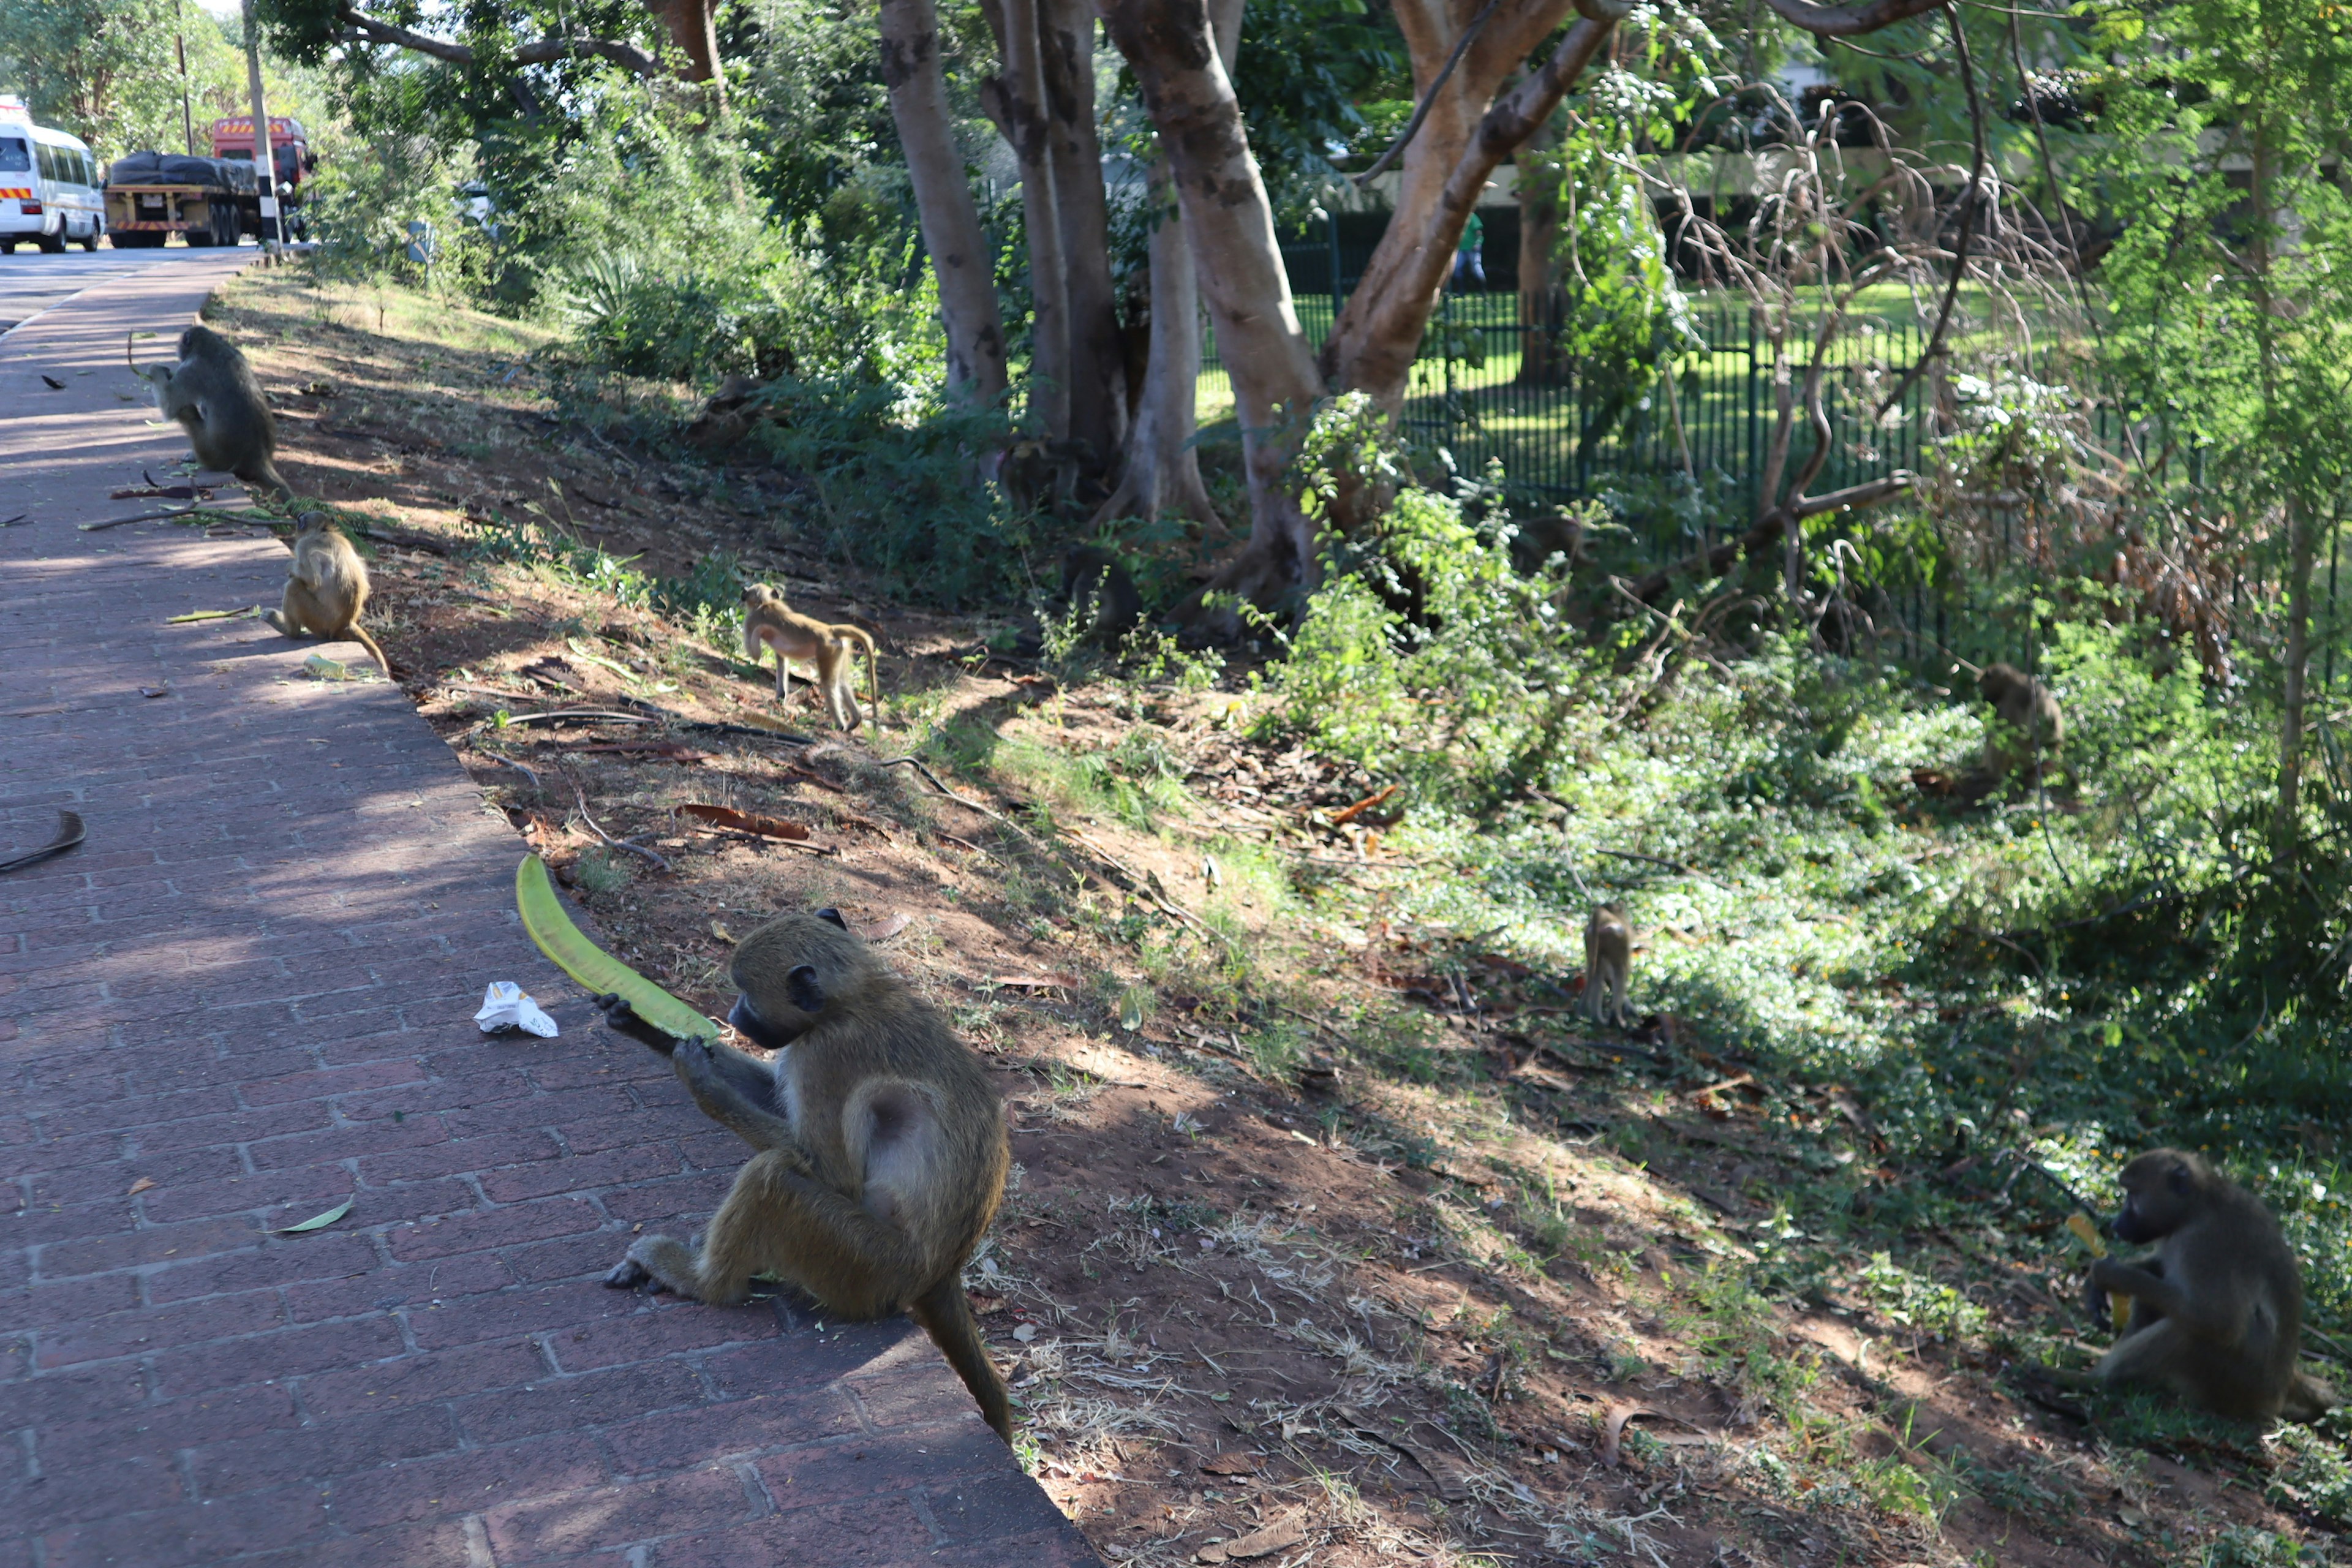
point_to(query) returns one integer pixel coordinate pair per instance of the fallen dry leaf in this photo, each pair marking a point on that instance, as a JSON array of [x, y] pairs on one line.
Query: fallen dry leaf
[[1612, 1436], [882, 931], [1262, 1541], [743, 821], [1030, 982], [141, 1185], [1231, 1464]]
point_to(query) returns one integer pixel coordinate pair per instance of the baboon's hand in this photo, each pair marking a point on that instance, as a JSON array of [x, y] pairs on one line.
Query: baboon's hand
[[627, 1275], [2095, 1293], [622, 1018], [692, 1059]]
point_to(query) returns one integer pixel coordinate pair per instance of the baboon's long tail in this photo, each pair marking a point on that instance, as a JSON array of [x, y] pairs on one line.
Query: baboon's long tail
[[945, 1314], [265, 474], [359, 635]]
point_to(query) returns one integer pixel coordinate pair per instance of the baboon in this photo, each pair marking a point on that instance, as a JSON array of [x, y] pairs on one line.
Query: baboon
[[770, 622], [2027, 724], [1096, 587], [2217, 1311], [1539, 539], [213, 395], [326, 589], [1048, 476], [882, 1147], [1608, 962]]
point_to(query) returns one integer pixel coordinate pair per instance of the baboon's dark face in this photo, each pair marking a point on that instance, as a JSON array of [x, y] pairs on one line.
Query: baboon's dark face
[[772, 1036], [782, 971], [2158, 1190]]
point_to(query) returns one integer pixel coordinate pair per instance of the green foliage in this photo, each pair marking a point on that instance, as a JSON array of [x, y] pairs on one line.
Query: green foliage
[[710, 592], [106, 70], [709, 324], [2311, 1473], [893, 478], [2234, 321], [1305, 73], [1424, 654]]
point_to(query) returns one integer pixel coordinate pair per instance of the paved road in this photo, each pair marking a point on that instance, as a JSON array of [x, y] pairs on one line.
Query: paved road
[[31, 282], [247, 998]]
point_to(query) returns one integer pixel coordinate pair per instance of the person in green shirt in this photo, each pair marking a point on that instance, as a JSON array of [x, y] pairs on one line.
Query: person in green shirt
[[1467, 262]]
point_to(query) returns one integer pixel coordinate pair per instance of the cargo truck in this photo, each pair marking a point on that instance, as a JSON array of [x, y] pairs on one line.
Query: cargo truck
[[151, 197]]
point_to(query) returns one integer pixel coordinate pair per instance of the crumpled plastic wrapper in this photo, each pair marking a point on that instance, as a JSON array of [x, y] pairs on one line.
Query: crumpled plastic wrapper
[[506, 1006]]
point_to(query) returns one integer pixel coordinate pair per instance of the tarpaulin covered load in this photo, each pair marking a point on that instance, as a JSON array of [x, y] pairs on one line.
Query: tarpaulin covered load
[[178, 169]]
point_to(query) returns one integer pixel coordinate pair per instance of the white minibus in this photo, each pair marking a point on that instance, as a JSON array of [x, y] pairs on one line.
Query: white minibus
[[51, 191]]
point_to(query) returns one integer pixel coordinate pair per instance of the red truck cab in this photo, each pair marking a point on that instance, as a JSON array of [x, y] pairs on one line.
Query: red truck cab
[[289, 149]]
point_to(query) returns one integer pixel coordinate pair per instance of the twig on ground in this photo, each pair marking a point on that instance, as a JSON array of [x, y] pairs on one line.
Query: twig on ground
[[176, 513], [580, 795], [559, 714], [522, 768], [922, 767]]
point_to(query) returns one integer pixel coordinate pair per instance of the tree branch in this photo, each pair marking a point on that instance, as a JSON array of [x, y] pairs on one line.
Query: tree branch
[[1975, 202], [1421, 109], [1715, 562], [628, 56], [1846, 21]]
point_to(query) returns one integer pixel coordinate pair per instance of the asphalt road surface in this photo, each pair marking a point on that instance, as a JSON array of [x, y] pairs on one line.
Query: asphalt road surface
[[30, 282]]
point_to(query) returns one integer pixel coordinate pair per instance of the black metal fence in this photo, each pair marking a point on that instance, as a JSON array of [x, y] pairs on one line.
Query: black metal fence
[[1493, 388]]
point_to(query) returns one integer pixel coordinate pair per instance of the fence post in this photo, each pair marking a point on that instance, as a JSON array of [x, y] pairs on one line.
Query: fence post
[[1753, 501], [1332, 228]]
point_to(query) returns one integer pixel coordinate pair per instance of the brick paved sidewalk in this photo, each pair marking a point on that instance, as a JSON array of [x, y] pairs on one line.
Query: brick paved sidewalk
[[247, 997]]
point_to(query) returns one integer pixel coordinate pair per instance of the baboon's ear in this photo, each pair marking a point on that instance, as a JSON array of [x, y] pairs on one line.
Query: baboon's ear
[[830, 913], [801, 988]]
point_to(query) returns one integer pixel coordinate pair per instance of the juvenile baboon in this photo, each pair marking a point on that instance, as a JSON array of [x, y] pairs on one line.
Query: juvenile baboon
[[2217, 1311], [1608, 962], [213, 395], [2027, 724], [770, 624], [882, 1147], [326, 589], [1096, 588]]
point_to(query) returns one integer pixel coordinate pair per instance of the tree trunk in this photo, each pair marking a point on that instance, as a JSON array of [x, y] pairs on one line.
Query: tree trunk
[[2287, 832], [952, 234], [1446, 167], [2300, 553], [1162, 470], [1541, 299], [689, 24], [1015, 99], [1094, 372], [1230, 224]]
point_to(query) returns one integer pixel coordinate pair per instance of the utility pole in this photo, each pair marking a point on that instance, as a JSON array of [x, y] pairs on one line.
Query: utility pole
[[180, 45], [265, 166]]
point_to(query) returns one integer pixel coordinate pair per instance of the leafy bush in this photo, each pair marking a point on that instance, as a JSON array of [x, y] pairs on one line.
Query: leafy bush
[[896, 482], [1424, 653], [698, 327]]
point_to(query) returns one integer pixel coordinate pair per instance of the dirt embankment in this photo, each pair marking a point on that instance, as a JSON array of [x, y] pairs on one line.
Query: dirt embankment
[[1330, 1240]]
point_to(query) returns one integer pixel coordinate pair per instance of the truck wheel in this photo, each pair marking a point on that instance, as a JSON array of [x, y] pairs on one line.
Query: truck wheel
[[53, 244], [95, 235]]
